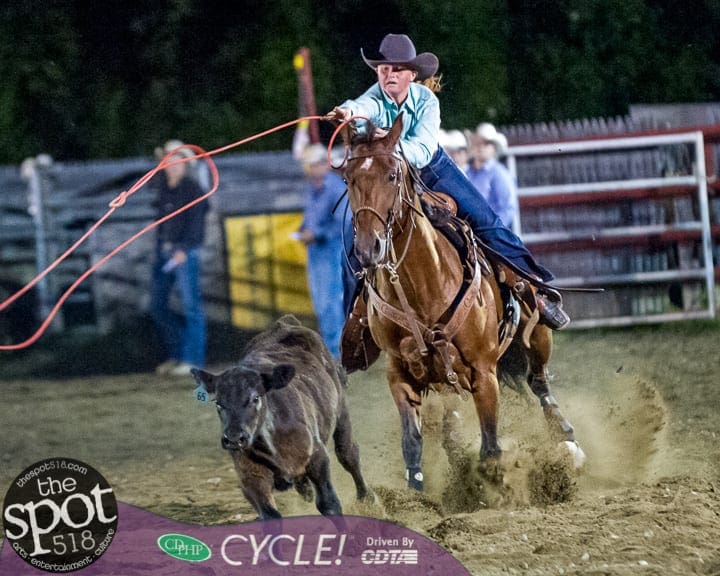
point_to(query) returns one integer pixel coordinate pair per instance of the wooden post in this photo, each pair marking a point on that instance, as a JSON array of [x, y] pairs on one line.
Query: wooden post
[[306, 94], [35, 173]]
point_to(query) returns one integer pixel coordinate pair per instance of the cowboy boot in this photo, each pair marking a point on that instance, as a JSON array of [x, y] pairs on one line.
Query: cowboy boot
[[549, 303]]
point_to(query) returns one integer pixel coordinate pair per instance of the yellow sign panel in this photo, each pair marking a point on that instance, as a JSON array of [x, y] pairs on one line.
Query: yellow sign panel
[[267, 269]]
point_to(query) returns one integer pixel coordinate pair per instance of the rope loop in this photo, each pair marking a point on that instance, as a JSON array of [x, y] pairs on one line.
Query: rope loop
[[120, 201]]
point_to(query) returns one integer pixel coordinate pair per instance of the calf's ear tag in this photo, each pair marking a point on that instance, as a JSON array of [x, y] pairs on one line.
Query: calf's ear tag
[[201, 395]]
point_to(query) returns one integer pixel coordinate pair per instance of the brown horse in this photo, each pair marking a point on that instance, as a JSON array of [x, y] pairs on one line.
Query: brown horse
[[435, 312]]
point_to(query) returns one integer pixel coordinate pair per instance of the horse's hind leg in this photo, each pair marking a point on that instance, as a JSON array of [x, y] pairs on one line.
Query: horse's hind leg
[[537, 378], [408, 402]]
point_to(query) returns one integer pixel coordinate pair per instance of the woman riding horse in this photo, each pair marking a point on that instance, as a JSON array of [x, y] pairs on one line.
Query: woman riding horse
[[434, 305], [396, 92]]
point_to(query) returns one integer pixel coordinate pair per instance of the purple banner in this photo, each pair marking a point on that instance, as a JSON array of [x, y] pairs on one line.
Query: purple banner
[[149, 544]]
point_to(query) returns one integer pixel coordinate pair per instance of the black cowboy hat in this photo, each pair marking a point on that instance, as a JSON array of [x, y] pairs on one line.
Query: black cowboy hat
[[399, 50]]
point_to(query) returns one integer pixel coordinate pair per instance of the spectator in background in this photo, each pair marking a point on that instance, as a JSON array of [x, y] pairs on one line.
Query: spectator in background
[[321, 232], [492, 179], [455, 144], [177, 266]]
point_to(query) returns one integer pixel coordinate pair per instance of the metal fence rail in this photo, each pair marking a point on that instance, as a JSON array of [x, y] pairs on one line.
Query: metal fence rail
[[645, 238]]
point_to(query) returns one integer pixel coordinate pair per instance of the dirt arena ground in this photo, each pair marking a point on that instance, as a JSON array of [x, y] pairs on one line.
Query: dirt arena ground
[[645, 403]]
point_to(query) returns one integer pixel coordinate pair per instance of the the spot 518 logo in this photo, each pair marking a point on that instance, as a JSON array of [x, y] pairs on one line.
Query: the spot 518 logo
[[60, 515]]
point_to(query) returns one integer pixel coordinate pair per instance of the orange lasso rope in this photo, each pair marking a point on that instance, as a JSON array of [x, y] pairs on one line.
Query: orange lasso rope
[[117, 203]]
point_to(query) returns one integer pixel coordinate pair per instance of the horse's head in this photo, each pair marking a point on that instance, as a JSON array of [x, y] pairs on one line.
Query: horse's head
[[375, 175]]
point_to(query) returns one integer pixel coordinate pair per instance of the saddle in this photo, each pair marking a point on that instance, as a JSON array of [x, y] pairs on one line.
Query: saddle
[[541, 301]]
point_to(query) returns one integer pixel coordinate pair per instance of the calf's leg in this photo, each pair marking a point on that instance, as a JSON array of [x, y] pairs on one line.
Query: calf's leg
[[318, 471], [257, 486], [347, 451]]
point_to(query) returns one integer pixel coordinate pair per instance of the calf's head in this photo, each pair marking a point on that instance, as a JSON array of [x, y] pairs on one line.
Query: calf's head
[[240, 399]]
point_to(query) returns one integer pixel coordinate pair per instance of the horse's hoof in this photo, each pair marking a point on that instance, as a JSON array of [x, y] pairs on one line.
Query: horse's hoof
[[491, 467], [415, 479], [577, 453]]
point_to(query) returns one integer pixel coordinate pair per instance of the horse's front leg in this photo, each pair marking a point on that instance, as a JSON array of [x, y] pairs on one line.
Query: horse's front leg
[[408, 402], [486, 395]]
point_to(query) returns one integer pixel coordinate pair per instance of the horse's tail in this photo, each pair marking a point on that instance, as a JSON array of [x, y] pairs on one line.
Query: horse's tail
[[512, 368]]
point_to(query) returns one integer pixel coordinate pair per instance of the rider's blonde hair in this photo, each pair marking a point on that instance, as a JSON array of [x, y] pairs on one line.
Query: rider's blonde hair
[[433, 82]]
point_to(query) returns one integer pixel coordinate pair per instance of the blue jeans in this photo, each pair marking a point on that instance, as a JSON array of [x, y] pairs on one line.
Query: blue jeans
[[443, 175], [325, 263], [183, 335]]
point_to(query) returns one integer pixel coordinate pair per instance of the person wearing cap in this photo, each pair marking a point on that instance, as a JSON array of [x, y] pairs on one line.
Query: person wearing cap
[[490, 176], [456, 146], [177, 264], [405, 85], [321, 232]]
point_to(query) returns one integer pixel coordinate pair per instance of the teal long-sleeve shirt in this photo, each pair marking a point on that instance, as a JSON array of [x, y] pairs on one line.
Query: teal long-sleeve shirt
[[421, 119]]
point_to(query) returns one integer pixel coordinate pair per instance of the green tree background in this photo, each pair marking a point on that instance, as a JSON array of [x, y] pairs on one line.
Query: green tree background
[[107, 79]]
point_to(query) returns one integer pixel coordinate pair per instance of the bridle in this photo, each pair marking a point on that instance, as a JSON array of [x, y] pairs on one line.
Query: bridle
[[404, 196]]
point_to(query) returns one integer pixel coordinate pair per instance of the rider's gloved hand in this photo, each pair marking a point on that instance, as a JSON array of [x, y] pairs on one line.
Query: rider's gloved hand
[[338, 114]]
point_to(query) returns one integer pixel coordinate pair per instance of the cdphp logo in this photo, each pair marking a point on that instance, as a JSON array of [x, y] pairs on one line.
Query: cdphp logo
[[184, 547]]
